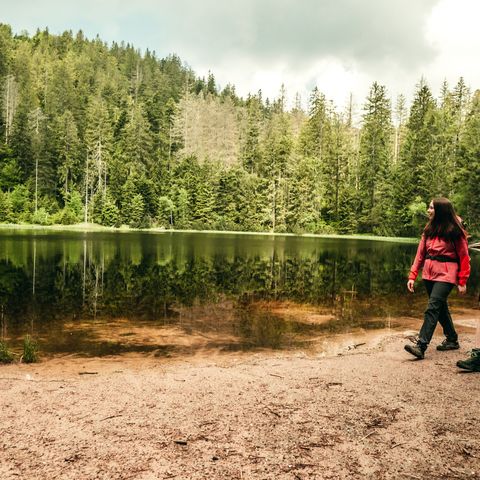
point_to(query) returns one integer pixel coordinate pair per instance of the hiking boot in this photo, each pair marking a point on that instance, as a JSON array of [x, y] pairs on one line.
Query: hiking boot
[[448, 345], [416, 350], [473, 363]]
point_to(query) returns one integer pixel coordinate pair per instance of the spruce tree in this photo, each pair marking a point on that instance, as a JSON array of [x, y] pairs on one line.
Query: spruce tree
[[408, 179], [375, 158], [467, 197]]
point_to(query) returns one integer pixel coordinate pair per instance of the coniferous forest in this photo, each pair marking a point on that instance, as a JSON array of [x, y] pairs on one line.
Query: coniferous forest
[[107, 134]]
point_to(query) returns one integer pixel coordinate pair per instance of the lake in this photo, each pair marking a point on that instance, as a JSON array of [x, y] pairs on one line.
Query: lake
[[170, 294]]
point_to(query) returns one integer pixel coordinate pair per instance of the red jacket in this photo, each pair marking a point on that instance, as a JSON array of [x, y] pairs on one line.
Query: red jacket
[[456, 273]]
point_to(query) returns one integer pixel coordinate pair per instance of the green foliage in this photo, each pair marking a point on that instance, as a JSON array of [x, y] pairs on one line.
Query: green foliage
[[30, 350], [145, 141], [6, 214], [417, 212], [20, 200], [181, 215], [468, 173], [137, 210], [10, 174], [65, 216], [165, 211], [110, 215], [5, 354], [375, 158], [41, 217], [73, 201]]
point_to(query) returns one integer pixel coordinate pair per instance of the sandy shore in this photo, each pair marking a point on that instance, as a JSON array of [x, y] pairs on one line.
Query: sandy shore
[[366, 412]]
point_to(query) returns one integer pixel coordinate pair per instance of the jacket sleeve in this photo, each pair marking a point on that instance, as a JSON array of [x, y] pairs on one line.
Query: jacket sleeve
[[419, 259], [461, 246]]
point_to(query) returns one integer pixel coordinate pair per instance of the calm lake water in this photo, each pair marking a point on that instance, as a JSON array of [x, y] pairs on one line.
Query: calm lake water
[[183, 293]]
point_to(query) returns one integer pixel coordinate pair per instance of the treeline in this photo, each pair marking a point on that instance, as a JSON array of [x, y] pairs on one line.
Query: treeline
[[91, 132]]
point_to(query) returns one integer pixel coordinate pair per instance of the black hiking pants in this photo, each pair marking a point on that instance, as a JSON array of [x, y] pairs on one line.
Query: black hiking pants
[[437, 311]]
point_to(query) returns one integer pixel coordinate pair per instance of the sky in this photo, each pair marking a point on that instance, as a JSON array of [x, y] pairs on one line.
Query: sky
[[339, 46]]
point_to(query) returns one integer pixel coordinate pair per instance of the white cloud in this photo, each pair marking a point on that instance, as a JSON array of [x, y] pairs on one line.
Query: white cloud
[[452, 30], [341, 46]]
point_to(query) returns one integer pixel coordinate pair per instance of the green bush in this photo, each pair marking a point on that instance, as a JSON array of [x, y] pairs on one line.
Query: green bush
[[20, 199], [66, 216], [6, 214], [165, 210], [42, 217]]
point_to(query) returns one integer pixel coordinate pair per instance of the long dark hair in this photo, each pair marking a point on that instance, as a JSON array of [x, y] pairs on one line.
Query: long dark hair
[[445, 223]]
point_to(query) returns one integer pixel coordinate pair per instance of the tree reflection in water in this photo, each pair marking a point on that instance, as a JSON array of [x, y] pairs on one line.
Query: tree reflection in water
[[179, 293]]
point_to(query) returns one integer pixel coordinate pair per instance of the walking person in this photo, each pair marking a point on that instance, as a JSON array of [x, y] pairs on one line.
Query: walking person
[[442, 254]]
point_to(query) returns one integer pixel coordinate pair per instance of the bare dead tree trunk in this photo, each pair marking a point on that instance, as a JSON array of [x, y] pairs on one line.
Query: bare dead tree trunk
[[86, 192], [10, 104]]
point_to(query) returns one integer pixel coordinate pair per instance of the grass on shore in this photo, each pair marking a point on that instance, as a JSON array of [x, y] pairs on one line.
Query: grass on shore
[[93, 227], [30, 350], [29, 355], [5, 354]]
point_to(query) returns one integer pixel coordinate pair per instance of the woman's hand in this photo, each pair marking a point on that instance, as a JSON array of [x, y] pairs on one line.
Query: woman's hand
[[462, 289], [410, 287]]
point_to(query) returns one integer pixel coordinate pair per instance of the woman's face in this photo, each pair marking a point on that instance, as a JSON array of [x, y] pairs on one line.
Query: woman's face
[[431, 210]]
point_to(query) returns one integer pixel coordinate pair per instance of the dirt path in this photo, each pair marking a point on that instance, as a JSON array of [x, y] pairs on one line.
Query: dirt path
[[371, 412]]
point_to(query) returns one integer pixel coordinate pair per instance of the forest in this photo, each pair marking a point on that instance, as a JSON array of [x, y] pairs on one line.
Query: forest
[[91, 132]]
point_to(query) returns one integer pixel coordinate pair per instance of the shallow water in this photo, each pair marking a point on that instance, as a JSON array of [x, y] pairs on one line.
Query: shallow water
[[182, 293]]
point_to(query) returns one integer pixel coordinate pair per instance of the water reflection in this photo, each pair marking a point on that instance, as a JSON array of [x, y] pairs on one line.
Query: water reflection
[[178, 293]]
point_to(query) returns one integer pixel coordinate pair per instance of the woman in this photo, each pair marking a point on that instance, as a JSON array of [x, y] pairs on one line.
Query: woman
[[443, 255]]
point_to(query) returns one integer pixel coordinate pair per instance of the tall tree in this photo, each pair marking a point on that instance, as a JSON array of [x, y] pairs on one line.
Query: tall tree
[[468, 173], [99, 146], [375, 157], [67, 150], [277, 150], [408, 180]]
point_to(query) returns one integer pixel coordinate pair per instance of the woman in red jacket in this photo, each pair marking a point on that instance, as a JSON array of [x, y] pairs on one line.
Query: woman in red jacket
[[442, 255]]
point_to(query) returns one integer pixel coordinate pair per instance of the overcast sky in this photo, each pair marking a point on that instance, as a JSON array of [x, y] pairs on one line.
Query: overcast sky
[[340, 46]]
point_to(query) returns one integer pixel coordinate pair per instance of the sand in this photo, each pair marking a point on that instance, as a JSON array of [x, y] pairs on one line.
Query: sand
[[369, 411]]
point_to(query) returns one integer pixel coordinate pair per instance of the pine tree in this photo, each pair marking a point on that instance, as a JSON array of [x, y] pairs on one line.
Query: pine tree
[[375, 157], [136, 213], [276, 155], [67, 150], [110, 213], [137, 141], [467, 197], [5, 208], [436, 171], [407, 179], [10, 174], [99, 140], [182, 217], [227, 201], [250, 149], [205, 194], [165, 211]]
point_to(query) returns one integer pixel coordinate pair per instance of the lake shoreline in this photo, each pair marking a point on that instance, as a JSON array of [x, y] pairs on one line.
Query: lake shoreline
[[367, 411], [92, 227]]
